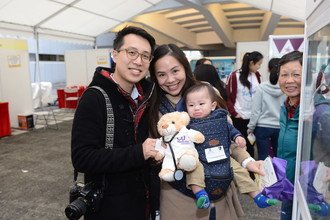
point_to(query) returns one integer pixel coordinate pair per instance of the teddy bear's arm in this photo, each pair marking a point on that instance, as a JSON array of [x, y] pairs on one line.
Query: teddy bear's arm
[[159, 147], [161, 150], [196, 136]]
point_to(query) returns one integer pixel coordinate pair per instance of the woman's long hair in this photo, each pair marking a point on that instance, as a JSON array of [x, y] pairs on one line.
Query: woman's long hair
[[209, 73], [160, 52], [255, 57]]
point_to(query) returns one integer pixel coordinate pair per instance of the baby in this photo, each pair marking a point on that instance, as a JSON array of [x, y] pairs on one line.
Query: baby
[[202, 102]]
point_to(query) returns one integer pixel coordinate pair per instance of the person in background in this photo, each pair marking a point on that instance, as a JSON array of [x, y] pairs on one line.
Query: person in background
[[171, 72], [122, 170], [241, 87], [203, 61], [265, 115], [290, 73], [208, 73]]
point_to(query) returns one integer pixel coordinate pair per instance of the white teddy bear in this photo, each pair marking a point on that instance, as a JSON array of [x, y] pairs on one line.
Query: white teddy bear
[[172, 128]]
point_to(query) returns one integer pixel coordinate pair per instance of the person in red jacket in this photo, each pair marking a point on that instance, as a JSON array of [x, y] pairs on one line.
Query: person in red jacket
[[240, 88]]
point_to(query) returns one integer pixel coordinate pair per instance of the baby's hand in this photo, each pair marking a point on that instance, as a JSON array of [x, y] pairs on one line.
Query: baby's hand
[[240, 141]]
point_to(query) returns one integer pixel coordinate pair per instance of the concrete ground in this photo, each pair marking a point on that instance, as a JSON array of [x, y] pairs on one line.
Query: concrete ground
[[36, 173]]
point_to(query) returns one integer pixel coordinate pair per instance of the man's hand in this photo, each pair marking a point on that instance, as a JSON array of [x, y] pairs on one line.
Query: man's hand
[[255, 166], [148, 147]]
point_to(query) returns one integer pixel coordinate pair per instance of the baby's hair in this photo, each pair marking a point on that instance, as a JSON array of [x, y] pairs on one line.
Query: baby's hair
[[214, 95]]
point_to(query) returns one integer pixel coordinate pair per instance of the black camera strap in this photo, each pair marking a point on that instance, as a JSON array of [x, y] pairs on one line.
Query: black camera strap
[[110, 128]]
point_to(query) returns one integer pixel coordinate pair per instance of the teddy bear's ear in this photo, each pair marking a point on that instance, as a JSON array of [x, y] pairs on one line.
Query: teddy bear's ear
[[159, 124], [185, 116]]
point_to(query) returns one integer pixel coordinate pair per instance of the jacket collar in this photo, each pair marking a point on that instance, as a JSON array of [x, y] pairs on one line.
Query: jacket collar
[[146, 86]]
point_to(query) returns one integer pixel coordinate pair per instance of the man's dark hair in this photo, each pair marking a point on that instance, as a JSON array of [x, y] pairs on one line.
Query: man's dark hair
[[119, 40], [292, 56]]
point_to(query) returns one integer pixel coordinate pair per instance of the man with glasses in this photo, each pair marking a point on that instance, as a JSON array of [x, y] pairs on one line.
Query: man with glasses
[[122, 170]]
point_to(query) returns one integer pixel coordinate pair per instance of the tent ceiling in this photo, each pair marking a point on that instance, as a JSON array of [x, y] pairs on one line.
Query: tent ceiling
[[194, 24], [87, 18], [212, 25]]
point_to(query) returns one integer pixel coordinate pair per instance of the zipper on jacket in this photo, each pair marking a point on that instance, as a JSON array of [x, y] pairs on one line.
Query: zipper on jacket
[[138, 108]]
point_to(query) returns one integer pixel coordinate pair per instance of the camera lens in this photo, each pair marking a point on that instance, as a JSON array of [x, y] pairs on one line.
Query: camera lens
[[76, 209]]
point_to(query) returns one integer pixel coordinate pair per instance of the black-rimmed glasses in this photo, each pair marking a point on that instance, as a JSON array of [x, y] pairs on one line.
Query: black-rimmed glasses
[[133, 54]]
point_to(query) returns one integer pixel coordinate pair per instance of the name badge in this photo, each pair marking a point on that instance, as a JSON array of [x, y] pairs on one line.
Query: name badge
[[215, 153]]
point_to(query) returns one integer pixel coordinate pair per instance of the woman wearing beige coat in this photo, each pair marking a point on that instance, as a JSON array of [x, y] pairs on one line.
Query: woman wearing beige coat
[[170, 70]]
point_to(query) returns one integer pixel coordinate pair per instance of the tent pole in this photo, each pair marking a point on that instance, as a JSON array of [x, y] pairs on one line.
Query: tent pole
[[95, 43], [37, 66]]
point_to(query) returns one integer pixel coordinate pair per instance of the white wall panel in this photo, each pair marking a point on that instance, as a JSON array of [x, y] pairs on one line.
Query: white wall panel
[[15, 80], [76, 67], [53, 72], [96, 58], [80, 65]]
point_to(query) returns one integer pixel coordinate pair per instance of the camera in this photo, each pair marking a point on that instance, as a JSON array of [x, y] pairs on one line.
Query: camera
[[83, 199]]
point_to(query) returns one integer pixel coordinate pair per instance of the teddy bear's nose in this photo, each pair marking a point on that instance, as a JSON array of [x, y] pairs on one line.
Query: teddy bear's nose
[[164, 126]]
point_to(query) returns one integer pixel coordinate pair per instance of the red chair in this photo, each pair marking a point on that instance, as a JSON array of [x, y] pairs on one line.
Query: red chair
[[5, 129], [71, 97]]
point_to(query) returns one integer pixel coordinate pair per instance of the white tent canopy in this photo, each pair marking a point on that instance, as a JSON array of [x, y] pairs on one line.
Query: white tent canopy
[[80, 20]]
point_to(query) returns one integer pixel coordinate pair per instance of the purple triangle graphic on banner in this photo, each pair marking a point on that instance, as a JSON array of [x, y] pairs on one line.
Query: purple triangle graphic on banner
[[296, 42], [280, 44]]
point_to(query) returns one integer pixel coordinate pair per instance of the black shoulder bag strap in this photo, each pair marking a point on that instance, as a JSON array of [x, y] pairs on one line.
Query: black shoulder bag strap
[[110, 126]]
